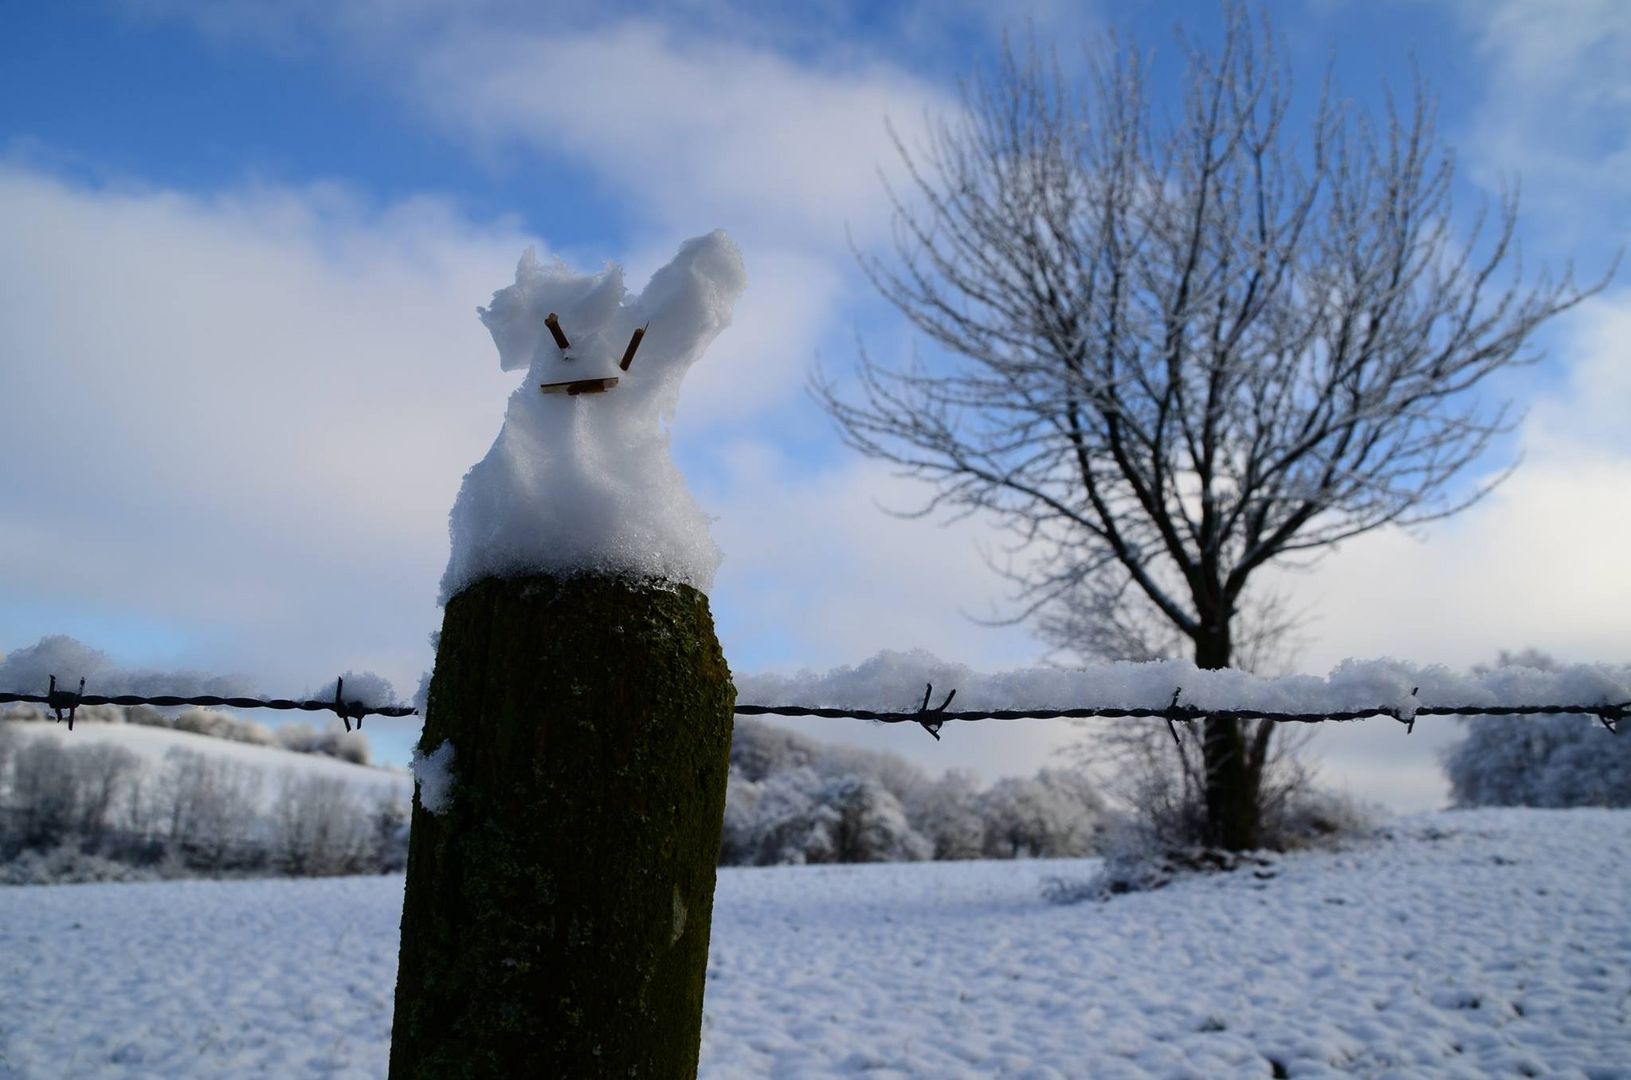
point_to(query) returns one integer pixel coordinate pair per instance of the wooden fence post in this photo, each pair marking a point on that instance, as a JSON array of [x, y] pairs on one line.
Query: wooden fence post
[[558, 907]]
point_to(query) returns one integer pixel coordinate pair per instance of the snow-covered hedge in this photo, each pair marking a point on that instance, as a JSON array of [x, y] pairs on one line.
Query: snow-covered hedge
[[794, 800]]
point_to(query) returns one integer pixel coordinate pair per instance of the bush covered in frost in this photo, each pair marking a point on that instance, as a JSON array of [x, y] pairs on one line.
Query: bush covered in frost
[[1140, 856], [791, 799], [1553, 761], [1539, 761]]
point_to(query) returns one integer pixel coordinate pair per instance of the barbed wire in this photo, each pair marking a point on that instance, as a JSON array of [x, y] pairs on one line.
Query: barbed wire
[[932, 720], [64, 703]]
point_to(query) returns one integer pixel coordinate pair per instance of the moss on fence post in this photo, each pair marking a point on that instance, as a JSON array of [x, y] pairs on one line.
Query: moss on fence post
[[557, 911]]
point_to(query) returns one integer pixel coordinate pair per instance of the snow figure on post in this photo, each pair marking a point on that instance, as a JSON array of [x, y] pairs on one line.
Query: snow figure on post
[[577, 730]]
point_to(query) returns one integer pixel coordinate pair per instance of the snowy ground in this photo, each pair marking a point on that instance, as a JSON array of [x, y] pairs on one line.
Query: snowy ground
[[1492, 943]]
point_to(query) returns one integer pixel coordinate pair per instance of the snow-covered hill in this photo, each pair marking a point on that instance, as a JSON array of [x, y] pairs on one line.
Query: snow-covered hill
[[1482, 943], [269, 763]]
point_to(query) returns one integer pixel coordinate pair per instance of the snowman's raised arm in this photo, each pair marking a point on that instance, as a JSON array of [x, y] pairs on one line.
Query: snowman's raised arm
[[687, 303]]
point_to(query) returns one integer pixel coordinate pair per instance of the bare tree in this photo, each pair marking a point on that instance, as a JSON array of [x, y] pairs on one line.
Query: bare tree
[[45, 792], [8, 746], [104, 772], [213, 807], [319, 826], [1174, 348]]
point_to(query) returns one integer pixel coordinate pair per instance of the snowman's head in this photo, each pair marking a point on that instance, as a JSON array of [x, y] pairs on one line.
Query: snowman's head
[[576, 333], [584, 482]]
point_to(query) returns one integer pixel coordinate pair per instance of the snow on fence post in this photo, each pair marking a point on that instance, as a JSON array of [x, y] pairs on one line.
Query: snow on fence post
[[572, 767]]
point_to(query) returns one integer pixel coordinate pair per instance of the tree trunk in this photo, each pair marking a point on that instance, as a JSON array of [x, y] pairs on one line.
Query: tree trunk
[[557, 910], [1231, 783]]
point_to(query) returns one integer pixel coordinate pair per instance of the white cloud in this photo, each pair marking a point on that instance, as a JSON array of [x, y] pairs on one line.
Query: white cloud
[[694, 129], [688, 130], [1555, 113], [247, 412]]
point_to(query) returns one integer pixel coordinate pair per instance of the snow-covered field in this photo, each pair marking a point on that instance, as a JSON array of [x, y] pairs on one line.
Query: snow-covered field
[[1488, 943]]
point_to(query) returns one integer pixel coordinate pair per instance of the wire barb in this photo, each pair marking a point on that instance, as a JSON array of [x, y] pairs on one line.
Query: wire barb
[[1172, 724], [933, 719], [1397, 713], [58, 700], [346, 711]]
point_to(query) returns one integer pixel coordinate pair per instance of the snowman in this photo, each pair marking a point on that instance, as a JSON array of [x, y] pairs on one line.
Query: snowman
[[580, 479]]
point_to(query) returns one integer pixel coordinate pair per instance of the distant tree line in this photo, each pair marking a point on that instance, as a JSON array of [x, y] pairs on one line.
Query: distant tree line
[[794, 800], [75, 810]]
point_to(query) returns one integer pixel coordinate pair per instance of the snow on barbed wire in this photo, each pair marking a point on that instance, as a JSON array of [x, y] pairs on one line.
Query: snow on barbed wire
[[361, 687], [893, 681], [30, 669]]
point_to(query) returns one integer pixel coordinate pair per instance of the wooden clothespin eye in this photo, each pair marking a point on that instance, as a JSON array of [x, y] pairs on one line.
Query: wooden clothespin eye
[[634, 343], [555, 331]]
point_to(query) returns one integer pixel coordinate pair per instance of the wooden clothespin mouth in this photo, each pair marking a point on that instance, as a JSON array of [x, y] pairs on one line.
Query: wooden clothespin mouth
[[574, 387]]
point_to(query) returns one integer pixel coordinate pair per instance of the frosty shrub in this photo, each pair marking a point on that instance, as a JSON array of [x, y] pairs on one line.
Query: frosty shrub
[[223, 725], [739, 841], [869, 824], [45, 792], [791, 799], [390, 819], [791, 825], [801, 816], [320, 827], [1139, 855], [1553, 761], [9, 740], [146, 716], [53, 793], [1160, 833], [334, 742], [1539, 761], [68, 864], [103, 776], [949, 814], [213, 809], [195, 812], [1055, 814], [30, 712]]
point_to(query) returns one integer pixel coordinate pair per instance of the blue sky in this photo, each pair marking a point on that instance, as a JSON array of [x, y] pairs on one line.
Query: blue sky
[[246, 241]]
